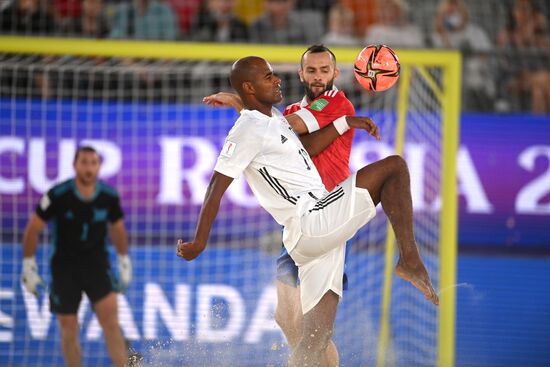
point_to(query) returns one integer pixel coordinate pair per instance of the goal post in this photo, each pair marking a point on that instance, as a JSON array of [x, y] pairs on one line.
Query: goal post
[[449, 96], [418, 117], [449, 212]]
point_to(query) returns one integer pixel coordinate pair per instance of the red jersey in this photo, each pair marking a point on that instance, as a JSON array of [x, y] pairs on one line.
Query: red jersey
[[333, 162]]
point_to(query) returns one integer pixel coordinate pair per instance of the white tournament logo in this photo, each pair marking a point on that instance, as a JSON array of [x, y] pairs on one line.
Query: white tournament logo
[[44, 202], [228, 148]]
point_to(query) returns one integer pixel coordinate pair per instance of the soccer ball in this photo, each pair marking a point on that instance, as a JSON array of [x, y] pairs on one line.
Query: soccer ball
[[376, 68]]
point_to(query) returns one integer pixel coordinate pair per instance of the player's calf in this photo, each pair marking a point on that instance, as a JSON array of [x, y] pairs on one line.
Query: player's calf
[[317, 332], [68, 325], [288, 314]]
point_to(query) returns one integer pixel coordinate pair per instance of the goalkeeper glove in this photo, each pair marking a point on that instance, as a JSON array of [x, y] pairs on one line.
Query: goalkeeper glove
[[124, 271], [30, 278]]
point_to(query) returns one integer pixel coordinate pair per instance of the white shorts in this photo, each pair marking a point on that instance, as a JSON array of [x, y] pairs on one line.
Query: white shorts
[[320, 251]]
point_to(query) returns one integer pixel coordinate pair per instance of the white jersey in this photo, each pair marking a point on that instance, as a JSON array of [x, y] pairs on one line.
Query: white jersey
[[276, 166]]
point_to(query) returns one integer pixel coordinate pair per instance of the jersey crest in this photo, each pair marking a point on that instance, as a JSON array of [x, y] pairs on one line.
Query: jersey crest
[[100, 215], [319, 104]]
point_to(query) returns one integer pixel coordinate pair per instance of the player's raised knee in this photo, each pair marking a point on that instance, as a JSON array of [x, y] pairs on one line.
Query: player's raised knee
[[397, 162]]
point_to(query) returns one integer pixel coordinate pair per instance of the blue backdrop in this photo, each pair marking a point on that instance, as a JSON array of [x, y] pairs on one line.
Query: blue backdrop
[[503, 316], [503, 164], [504, 181]]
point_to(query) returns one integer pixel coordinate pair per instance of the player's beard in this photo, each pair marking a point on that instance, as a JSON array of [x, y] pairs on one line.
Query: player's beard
[[309, 92]]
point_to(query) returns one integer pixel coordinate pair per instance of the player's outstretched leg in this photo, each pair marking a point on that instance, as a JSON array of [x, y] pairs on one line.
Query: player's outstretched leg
[[388, 182], [318, 328]]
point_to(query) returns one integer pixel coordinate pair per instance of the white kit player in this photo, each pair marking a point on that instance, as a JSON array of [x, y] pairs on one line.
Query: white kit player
[[322, 105], [317, 223]]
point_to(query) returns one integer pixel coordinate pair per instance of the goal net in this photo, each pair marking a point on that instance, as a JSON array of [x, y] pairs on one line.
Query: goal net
[[159, 144]]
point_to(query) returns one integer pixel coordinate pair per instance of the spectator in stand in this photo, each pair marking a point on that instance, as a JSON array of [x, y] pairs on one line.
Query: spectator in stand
[[527, 33], [340, 27], [527, 27], [66, 14], [67, 8], [26, 17], [248, 10], [453, 29], [364, 14], [217, 22], [147, 20], [186, 11], [322, 6], [92, 21], [144, 19], [281, 24], [393, 27]]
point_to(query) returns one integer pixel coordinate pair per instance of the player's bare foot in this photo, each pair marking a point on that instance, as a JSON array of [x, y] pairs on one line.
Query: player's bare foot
[[416, 274]]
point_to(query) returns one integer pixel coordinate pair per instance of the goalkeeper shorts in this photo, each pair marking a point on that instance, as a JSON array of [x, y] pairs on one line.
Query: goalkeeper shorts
[[70, 279]]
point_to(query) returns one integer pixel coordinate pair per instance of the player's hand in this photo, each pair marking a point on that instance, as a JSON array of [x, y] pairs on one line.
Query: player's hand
[[188, 250], [224, 99], [124, 271], [30, 278], [364, 123]]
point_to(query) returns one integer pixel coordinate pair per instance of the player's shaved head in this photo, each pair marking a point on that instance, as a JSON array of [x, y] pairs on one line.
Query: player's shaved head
[[253, 79], [245, 70]]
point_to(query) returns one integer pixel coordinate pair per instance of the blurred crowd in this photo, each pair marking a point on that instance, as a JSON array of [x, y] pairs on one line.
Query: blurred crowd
[[505, 43]]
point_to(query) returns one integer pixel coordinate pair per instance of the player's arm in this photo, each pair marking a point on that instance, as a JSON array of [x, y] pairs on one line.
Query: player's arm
[[216, 189], [29, 274], [224, 99], [320, 112], [30, 236], [317, 141], [314, 142], [119, 237]]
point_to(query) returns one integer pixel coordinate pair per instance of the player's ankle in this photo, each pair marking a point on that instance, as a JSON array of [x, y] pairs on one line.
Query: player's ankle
[[409, 261]]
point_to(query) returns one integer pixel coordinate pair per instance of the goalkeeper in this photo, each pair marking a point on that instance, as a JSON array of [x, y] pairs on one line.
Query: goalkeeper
[[80, 209]]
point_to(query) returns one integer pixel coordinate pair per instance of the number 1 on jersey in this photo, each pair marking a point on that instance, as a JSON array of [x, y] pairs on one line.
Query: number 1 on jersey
[[84, 235]]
